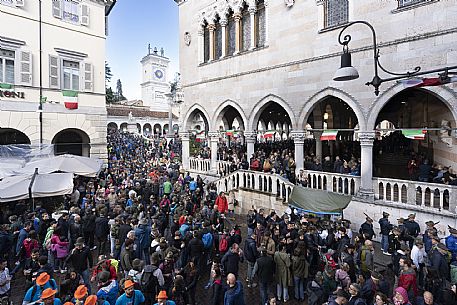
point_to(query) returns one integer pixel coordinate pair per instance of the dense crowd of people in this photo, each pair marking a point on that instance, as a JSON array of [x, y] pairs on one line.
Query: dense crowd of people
[[145, 232]]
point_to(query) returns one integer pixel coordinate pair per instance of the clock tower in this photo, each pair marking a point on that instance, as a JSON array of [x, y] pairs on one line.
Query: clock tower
[[154, 84]]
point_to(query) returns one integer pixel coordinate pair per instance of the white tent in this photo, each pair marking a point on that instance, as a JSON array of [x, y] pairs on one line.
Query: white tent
[[45, 185], [77, 165]]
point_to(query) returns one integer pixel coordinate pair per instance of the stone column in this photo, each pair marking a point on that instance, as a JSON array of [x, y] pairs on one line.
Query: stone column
[[201, 45], [299, 137], [213, 139], [317, 137], [252, 11], [238, 31], [212, 41], [366, 190], [267, 21], [250, 137], [185, 149], [224, 23]]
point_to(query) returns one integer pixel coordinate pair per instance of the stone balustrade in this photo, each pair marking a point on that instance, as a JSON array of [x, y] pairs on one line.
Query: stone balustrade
[[333, 182], [199, 165], [223, 168], [256, 181], [420, 194]]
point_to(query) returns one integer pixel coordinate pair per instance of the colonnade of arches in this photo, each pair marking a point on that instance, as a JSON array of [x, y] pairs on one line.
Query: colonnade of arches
[[361, 133], [147, 129]]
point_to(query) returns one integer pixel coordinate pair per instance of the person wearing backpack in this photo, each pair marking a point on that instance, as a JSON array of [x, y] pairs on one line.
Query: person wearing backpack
[[251, 254], [42, 282], [151, 279], [232, 259], [108, 288], [208, 241]]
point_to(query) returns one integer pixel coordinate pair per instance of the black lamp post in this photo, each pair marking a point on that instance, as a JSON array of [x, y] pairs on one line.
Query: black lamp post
[[347, 72]]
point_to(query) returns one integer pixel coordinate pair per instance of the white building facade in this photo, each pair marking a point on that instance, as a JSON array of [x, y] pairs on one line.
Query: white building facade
[[54, 51], [271, 63]]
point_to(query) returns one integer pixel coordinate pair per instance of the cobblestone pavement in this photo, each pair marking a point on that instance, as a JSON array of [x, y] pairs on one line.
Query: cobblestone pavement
[[203, 296]]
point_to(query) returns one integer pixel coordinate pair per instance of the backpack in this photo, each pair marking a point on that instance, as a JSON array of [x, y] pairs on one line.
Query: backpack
[[148, 281], [207, 240], [48, 244], [223, 243], [35, 287]]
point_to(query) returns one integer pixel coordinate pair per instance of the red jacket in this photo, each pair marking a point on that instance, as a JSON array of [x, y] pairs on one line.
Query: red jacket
[[222, 204], [407, 280]]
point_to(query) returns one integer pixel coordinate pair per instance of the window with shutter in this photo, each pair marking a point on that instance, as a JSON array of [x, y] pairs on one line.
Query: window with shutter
[[88, 77], [8, 2], [54, 79], [403, 3], [26, 68], [70, 11], [57, 9], [336, 12], [7, 58], [70, 75], [84, 14], [19, 3]]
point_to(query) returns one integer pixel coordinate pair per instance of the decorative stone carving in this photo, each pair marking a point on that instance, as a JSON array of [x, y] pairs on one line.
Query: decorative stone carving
[[299, 137], [289, 3], [366, 137], [187, 38], [250, 136], [184, 135], [213, 135], [445, 133]]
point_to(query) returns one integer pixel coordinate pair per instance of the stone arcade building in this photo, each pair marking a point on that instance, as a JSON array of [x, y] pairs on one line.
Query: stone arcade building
[[270, 63]]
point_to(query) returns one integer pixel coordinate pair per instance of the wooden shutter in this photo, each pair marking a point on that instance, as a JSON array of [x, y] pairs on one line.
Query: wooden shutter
[[57, 8], [25, 68], [88, 77], [85, 14], [54, 72], [20, 3]]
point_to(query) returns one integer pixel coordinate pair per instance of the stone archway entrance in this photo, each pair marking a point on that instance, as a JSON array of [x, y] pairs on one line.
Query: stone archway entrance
[[72, 141], [10, 136]]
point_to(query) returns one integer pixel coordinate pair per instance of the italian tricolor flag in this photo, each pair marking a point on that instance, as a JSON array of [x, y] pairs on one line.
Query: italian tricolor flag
[[414, 134], [329, 135], [426, 82], [70, 98], [200, 136], [230, 132], [269, 134]]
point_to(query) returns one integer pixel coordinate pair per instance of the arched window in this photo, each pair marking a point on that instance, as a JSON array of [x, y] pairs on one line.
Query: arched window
[[336, 12], [206, 42], [231, 35], [218, 38], [246, 29], [260, 24]]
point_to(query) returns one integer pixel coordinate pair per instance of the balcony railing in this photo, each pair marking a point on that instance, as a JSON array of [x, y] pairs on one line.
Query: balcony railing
[[257, 181], [333, 182], [420, 194], [199, 165]]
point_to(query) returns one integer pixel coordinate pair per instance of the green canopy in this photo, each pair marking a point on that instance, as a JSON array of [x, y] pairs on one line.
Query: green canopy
[[318, 201]]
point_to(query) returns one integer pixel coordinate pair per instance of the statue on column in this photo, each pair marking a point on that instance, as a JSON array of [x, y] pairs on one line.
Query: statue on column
[[130, 117]]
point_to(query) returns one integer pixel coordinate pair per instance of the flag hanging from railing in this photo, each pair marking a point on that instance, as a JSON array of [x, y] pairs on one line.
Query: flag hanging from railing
[[269, 134], [329, 135], [414, 134]]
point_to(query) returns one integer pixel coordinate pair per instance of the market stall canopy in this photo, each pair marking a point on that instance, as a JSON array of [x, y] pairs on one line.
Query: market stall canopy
[[45, 185], [318, 201], [82, 166]]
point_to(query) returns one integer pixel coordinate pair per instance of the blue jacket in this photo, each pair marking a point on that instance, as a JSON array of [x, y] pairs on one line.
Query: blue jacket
[[109, 293], [451, 244], [143, 236], [234, 295]]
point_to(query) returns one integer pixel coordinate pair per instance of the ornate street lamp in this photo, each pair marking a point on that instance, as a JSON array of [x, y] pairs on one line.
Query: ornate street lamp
[[348, 72]]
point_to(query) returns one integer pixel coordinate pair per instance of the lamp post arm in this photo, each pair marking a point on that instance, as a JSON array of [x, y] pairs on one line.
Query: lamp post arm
[[347, 38]]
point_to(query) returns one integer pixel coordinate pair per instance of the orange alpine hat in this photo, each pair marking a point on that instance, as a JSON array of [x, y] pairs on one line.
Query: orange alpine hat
[[162, 295], [42, 279], [80, 292], [47, 293], [91, 300], [128, 284]]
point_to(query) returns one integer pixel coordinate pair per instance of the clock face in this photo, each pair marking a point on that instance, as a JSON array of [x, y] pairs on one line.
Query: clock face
[[158, 73]]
